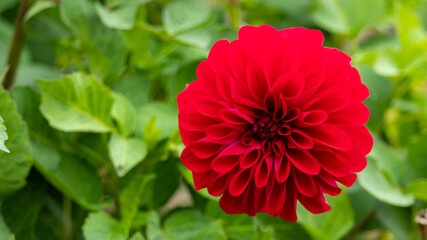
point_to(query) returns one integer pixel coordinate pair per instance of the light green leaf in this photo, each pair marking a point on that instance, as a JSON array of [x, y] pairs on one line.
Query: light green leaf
[[417, 157], [166, 118], [101, 226], [126, 153], [3, 136], [38, 7], [4, 230], [380, 89], [137, 236], [154, 230], [348, 16], [14, 166], [376, 183], [77, 102], [181, 16], [191, 224], [124, 113], [330, 225], [28, 73], [115, 3], [418, 188], [120, 15], [134, 87]]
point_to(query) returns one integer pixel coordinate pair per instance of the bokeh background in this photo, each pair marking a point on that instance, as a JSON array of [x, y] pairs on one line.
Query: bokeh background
[[95, 153]]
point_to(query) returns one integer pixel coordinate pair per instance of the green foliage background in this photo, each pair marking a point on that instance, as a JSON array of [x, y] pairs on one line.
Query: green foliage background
[[91, 121]]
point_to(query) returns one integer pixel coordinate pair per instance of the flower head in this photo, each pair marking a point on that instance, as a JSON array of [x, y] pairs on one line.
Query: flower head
[[274, 117]]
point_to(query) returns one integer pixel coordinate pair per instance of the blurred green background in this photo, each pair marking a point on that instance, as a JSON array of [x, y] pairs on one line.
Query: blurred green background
[[94, 154]]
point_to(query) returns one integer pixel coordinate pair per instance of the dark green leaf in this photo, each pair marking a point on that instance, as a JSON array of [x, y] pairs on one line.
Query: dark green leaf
[[20, 211]]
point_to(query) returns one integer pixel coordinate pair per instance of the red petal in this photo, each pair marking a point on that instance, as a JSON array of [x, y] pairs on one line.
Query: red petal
[[194, 163], [348, 180], [251, 157], [240, 181], [331, 162], [305, 184], [218, 55], [356, 113], [299, 139], [304, 36], [201, 179], [356, 160], [217, 185], [262, 171], [330, 136], [276, 199], [303, 161], [288, 212], [361, 138], [316, 204], [234, 116]]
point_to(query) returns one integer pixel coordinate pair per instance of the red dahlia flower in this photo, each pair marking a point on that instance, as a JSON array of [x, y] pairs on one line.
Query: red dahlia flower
[[274, 117]]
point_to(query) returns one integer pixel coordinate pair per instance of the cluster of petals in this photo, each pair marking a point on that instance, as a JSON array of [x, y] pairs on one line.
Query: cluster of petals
[[273, 118]]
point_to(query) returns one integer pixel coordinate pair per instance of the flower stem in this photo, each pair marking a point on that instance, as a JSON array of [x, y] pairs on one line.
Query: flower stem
[[17, 43], [67, 217]]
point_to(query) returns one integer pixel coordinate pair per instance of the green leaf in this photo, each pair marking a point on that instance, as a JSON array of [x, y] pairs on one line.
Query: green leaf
[[77, 102], [181, 16], [38, 7], [137, 236], [236, 226], [134, 87], [281, 229], [119, 14], [3, 136], [396, 220], [191, 224], [101, 226], [69, 174], [166, 182], [348, 16], [417, 157], [21, 210], [14, 166], [380, 89], [130, 197], [27, 73], [104, 47], [154, 230], [124, 113], [4, 230], [6, 4], [166, 118], [418, 189], [126, 153], [376, 183], [330, 225]]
